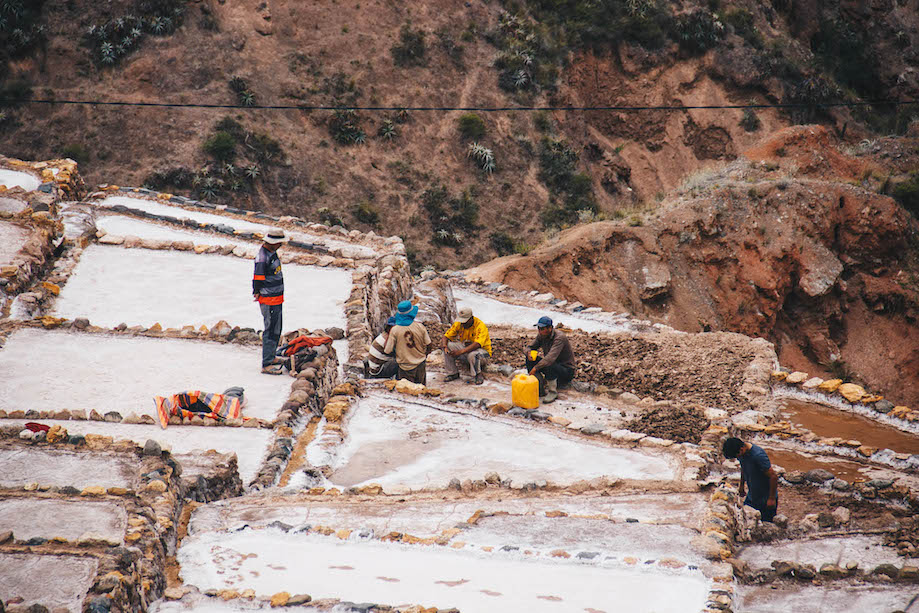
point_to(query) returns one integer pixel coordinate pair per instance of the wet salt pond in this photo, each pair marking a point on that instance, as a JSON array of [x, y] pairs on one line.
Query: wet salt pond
[[12, 238], [397, 443], [203, 604], [833, 598], [495, 312], [24, 465], [801, 461], [111, 285], [129, 226], [828, 422], [53, 370], [868, 551], [69, 519], [53, 581], [398, 574], [249, 444], [159, 208], [424, 518], [14, 178]]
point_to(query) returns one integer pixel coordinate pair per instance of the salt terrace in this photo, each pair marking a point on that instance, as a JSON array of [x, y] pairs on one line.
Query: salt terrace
[[335, 493]]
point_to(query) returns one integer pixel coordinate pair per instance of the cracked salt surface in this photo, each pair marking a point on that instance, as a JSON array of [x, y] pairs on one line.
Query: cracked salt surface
[[69, 519], [495, 312], [12, 238], [22, 466], [121, 373], [270, 562], [158, 208], [14, 178], [428, 518], [393, 442], [139, 286], [128, 226], [868, 551], [52, 581], [249, 444], [832, 598]]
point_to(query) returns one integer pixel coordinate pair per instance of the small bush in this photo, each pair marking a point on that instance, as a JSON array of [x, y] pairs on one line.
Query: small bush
[[449, 45], [221, 146], [471, 126], [387, 130], [76, 153], [571, 193], [366, 213], [244, 95], [501, 243], [742, 22], [345, 128], [483, 156], [327, 217], [20, 30], [698, 31], [452, 218], [542, 121], [411, 48], [907, 193], [749, 122]]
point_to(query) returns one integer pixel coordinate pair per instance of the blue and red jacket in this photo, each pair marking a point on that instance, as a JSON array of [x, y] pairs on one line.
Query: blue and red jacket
[[268, 280]]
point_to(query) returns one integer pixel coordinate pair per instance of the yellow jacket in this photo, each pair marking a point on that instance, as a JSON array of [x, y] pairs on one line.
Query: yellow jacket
[[476, 333]]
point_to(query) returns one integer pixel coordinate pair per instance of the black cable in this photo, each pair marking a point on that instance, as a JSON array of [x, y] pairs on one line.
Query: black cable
[[500, 109]]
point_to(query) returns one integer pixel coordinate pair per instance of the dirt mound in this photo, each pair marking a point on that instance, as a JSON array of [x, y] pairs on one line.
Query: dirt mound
[[680, 424], [813, 153], [702, 369]]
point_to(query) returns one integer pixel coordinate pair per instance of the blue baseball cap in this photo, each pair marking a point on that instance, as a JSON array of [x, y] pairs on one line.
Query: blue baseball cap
[[544, 322]]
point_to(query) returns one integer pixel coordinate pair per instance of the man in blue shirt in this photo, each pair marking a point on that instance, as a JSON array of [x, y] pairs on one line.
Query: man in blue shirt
[[756, 474], [268, 291]]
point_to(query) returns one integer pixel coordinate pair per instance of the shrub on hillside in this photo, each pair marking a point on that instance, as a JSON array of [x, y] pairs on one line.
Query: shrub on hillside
[[742, 22], [111, 41], [571, 193], [20, 30], [452, 218], [471, 126], [411, 48], [698, 31], [907, 193], [345, 127], [75, 152], [366, 213], [221, 146]]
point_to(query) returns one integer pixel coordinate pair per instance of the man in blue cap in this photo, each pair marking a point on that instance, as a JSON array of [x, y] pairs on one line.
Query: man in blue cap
[[557, 363], [411, 342], [379, 364]]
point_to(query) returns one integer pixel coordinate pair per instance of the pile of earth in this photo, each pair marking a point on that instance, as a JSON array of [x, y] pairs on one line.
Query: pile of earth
[[705, 369], [680, 424]]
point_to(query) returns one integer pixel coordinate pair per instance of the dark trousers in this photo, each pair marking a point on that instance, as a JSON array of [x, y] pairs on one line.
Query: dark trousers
[[416, 375], [766, 513], [556, 371], [271, 314], [386, 371]]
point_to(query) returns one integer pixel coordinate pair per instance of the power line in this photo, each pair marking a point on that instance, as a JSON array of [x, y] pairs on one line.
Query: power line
[[481, 109]]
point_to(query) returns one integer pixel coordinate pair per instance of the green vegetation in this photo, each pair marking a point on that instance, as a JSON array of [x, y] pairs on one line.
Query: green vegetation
[[345, 128], [366, 213], [113, 40], [907, 193], [844, 52], [570, 192], [471, 126], [742, 22], [528, 60], [483, 157], [76, 153], [411, 48], [750, 122], [450, 47], [698, 31], [452, 218], [327, 217], [387, 130], [244, 95], [20, 30], [221, 146], [503, 244]]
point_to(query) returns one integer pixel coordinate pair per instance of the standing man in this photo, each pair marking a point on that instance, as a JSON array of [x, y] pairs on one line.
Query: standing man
[[467, 338], [268, 291], [379, 364], [757, 474], [557, 363], [411, 342]]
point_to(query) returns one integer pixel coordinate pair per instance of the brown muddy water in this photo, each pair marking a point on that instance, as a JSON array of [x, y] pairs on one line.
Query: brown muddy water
[[792, 460], [828, 422]]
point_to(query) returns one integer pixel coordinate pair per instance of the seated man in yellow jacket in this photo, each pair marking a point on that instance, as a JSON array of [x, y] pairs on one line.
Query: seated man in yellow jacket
[[467, 339]]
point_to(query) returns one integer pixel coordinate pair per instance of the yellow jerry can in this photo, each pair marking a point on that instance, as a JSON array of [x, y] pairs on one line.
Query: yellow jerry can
[[525, 391]]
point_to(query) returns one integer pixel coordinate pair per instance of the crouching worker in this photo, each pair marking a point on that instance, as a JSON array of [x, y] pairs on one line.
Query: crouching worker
[[557, 364], [467, 340], [379, 364], [756, 476]]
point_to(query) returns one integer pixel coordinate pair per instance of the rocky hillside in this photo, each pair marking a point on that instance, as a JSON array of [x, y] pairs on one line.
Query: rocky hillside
[[791, 242], [419, 173]]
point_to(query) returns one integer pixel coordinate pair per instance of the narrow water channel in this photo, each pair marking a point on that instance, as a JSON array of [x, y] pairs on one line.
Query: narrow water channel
[[828, 422], [792, 460]]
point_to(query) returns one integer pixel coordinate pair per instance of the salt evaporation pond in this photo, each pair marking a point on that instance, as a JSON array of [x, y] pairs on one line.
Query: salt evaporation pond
[[23, 465], [249, 444], [868, 551], [830, 598], [14, 178], [52, 581], [158, 208], [128, 226], [140, 286], [393, 442], [204, 604], [423, 518], [69, 519], [396, 574], [53, 370], [495, 312], [12, 238]]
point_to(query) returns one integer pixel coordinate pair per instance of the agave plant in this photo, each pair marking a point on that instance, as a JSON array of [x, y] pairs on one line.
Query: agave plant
[[253, 171], [229, 169], [483, 156], [247, 98], [387, 130]]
